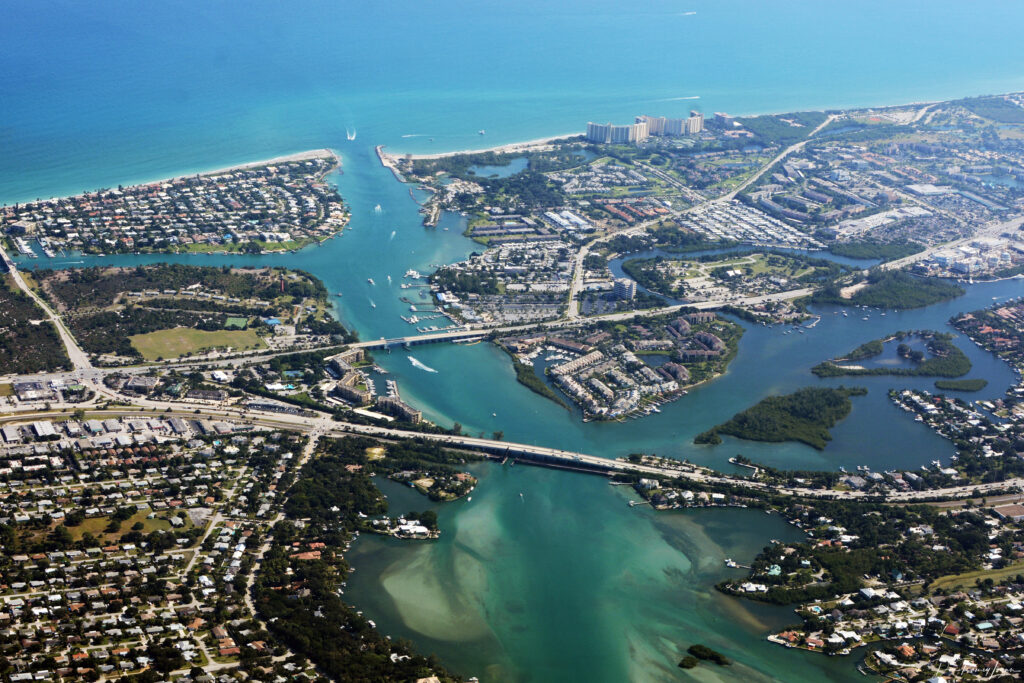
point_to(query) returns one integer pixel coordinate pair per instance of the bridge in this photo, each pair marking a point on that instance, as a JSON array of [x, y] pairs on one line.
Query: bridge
[[434, 338]]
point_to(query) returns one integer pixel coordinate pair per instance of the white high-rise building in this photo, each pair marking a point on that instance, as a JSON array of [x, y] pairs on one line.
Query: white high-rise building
[[618, 135], [695, 123], [598, 132]]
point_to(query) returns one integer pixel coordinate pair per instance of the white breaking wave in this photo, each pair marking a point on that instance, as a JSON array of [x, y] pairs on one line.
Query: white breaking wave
[[421, 366]]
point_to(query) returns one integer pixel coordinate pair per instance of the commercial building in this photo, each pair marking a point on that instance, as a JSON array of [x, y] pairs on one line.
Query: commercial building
[[624, 289]]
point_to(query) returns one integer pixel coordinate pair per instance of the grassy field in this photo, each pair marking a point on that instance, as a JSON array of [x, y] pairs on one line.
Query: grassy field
[[97, 525], [178, 341], [6, 390], [967, 579]]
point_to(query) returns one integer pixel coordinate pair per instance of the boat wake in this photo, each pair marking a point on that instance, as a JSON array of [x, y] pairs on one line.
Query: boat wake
[[679, 99], [414, 135], [421, 366], [377, 209], [350, 134], [393, 232], [686, 14]]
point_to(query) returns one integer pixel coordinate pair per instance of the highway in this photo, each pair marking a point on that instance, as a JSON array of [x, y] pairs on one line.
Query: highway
[[324, 425]]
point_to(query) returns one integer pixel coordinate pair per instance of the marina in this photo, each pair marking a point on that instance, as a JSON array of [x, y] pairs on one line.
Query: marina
[[507, 592]]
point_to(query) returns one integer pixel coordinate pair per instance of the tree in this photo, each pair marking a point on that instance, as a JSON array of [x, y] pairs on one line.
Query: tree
[[498, 435]]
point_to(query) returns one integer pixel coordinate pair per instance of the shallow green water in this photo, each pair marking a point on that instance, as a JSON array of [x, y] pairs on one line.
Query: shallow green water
[[566, 582]]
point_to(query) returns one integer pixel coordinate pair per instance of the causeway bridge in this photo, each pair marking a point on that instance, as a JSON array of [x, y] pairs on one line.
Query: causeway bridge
[[436, 337]]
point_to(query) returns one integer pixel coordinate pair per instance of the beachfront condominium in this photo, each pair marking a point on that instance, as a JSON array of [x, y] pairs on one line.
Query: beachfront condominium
[[659, 125], [695, 123], [617, 135]]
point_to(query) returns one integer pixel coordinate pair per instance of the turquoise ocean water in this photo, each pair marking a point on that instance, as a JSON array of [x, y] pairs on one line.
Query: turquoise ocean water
[[565, 582]]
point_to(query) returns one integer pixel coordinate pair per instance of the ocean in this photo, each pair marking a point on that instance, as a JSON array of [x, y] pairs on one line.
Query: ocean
[[565, 582]]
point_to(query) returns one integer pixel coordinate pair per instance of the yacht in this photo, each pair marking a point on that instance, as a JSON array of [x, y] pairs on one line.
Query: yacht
[[370, 280]]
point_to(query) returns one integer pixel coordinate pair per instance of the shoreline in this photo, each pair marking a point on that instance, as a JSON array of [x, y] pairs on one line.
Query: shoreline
[[523, 145], [508, 148], [322, 153]]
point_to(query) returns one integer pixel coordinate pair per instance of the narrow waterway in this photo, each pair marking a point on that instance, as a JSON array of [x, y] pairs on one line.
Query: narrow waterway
[[550, 576]]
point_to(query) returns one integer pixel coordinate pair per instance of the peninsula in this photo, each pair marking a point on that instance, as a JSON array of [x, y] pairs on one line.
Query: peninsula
[[277, 205]]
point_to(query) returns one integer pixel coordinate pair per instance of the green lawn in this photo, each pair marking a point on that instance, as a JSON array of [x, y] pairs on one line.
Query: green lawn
[[97, 525], [178, 341], [967, 579]]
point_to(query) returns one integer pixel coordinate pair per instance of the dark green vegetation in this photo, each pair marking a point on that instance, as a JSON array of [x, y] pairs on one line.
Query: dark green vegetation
[[297, 596], [647, 274], [668, 236], [452, 280], [99, 287], [997, 109], [24, 346], [961, 384], [706, 653], [528, 188], [867, 249], [95, 307], [527, 376], [780, 129], [805, 415], [866, 350], [688, 662], [894, 290], [947, 360], [460, 165]]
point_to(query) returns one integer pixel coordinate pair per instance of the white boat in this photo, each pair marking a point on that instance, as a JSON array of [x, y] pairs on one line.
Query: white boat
[[370, 280], [481, 132]]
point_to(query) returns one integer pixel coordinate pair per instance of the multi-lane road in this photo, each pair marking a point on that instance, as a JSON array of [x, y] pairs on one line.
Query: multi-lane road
[[324, 425]]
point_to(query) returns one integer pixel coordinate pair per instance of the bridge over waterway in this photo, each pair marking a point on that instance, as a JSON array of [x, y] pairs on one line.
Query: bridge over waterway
[[414, 340]]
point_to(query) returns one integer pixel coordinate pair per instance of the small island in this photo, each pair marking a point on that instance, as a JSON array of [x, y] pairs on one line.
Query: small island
[[943, 358], [703, 652], [961, 384], [805, 415]]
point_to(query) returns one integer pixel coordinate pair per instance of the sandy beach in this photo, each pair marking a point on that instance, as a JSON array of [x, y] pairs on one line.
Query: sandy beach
[[529, 145], [298, 156]]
